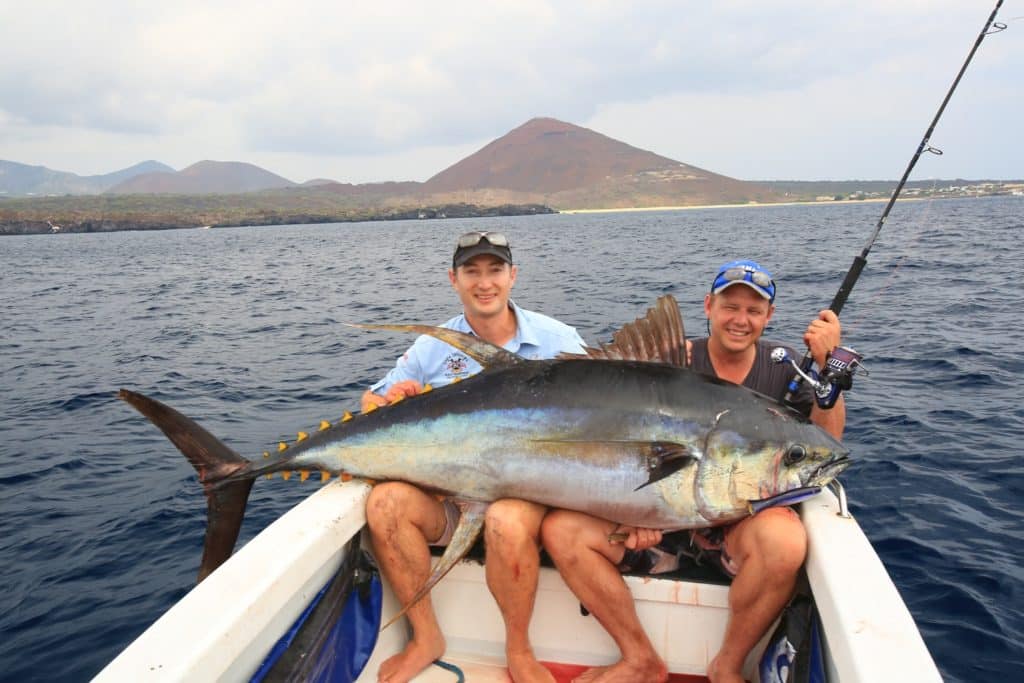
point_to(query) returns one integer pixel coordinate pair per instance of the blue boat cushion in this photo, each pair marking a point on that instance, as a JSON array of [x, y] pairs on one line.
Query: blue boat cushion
[[332, 640]]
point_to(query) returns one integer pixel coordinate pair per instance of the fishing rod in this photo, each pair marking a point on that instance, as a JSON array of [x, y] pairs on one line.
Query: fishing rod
[[842, 361]]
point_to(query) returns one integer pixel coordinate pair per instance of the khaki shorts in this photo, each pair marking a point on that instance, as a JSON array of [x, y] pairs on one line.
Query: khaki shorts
[[451, 521]]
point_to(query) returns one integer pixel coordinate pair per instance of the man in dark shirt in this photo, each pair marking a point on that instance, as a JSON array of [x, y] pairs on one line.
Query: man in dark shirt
[[763, 552]]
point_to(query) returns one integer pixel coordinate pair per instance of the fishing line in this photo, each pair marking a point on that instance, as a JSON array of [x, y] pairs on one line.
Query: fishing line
[[866, 307], [991, 26]]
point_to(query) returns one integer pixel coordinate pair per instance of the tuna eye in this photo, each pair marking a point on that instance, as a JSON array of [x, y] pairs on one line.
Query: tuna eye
[[795, 454]]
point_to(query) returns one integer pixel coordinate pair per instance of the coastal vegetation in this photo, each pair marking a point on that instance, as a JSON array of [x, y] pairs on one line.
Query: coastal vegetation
[[109, 213]]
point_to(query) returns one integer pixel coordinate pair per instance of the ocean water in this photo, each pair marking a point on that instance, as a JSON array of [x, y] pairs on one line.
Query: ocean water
[[242, 329]]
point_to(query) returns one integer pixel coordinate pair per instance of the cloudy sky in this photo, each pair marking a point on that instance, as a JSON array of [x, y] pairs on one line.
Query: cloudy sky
[[398, 90]]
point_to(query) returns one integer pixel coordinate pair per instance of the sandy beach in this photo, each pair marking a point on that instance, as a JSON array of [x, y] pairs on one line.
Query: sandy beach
[[747, 205]]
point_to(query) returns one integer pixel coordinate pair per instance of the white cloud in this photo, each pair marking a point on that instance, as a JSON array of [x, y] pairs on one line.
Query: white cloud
[[752, 89]]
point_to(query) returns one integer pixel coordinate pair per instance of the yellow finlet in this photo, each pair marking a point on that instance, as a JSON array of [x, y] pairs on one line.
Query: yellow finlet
[[345, 476], [398, 399], [303, 475], [456, 380], [286, 474], [269, 475], [370, 408], [302, 437], [346, 417], [426, 388], [282, 447], [324, 476], [266, 454], [324, 425]]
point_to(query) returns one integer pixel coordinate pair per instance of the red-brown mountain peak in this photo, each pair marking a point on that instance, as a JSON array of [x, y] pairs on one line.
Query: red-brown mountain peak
[[548, 155]]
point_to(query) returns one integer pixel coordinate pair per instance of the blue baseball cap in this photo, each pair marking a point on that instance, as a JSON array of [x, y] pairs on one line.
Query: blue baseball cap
[[743, 272]]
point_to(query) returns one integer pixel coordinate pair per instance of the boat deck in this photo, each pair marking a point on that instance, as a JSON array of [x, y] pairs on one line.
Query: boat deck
[[492, 670], [684, 619]]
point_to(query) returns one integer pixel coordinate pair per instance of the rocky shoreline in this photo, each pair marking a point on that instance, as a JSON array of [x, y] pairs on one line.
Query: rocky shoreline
[[78, 225]]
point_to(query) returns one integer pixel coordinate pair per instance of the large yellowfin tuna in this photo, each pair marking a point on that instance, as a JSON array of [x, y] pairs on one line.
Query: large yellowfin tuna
[[614, 434]]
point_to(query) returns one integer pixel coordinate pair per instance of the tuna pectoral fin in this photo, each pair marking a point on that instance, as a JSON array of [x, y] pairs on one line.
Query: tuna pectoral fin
[[666, 458], [225, 502], [659, 459], [470, 524]]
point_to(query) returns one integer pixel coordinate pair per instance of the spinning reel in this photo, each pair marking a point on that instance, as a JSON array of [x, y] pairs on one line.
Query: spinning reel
[[837, 376]]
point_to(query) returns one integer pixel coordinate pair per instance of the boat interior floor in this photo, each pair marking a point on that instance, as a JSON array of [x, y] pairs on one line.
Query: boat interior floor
[[486, 670]]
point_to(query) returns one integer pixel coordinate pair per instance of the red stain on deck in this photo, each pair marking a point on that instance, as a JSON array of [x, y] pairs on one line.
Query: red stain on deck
[[564, 673]]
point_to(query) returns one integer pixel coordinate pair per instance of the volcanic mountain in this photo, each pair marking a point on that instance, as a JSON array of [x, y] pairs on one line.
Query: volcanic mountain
[[567, 166], [544, 161], [22, 179], [204, 177]]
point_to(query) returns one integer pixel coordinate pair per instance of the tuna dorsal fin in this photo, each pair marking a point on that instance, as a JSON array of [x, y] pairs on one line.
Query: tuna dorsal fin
[[470, 524], [658, 336], [483, 352]]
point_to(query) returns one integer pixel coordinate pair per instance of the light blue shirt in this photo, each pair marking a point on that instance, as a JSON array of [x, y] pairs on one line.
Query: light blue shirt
[[430, 361]]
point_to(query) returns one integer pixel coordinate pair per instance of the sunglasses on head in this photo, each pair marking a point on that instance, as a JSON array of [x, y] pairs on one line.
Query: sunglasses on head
[[739, 274], [471, 239]]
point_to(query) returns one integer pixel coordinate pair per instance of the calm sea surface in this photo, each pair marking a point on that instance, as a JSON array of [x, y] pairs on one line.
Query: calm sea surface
[[241, 328]]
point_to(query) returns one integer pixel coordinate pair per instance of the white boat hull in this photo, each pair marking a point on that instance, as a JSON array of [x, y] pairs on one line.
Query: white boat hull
[[223, 628]]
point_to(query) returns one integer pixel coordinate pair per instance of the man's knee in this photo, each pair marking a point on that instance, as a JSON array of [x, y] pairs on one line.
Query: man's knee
[[779, 539], [513, 521], [556, 528], [563, 533], [571, 536], [390, 501]]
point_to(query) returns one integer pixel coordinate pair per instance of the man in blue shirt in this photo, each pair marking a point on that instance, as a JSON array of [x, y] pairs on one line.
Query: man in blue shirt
[[403, 520]]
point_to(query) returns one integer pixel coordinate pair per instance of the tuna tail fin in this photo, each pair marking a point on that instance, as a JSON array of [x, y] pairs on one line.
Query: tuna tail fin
[[470, 524], [225, 502]]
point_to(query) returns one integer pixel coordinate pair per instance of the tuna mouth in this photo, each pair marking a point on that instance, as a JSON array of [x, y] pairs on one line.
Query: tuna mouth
[[829, 471], [783, 499]]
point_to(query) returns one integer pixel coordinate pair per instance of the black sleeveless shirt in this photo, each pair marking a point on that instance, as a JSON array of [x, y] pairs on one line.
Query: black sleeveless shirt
[[765, 377]]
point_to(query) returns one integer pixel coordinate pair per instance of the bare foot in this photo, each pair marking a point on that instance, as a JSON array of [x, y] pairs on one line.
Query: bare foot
[[717, 674], [651, 670], [523, 667], [413, 659]]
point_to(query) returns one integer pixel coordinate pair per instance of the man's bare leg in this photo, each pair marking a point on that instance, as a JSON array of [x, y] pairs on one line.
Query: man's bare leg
[[512, 535], [402, 520], [769, 548], [579, 546]]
